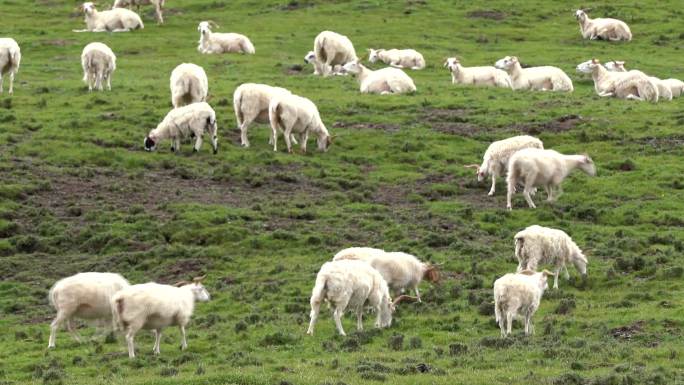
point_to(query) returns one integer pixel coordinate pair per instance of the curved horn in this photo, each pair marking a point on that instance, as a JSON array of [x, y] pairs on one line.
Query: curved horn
[[181, 283], [548, 273], [402, 298], [199, 279], [475, 166], [213, 23]]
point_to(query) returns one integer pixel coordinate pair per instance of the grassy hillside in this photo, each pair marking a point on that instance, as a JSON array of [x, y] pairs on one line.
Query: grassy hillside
[[79, 193]]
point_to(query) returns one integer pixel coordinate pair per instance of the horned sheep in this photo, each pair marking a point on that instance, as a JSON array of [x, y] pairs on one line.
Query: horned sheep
[[602, 28], [158, 6], [250, 102], [545, 78], [212, 42], [398, 58], [665, 89], [295, 114], [114, 20], [385, 81], [624, 85], [10, 59], [188, 85], [191, 120], [98, 62], [518, 296], [331, 49], [481, 76]]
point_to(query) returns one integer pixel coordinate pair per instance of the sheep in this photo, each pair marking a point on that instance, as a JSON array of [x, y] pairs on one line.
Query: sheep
[[155, 306], [158, 5], [295, 114], [495, 159], [115, 20], [188, 85], [398, 58], [384, 81], [98, 62], [310, 58], [676, 87], [536, 167], [625, 85], [400, 270], [482, 76], [538, 245], [10, 59], [665, 90], [331, 49], [350, 283], [518, 296], [602, 28], [84, 295], [544, 78], [250, 102], [191, 120], [211, 42]]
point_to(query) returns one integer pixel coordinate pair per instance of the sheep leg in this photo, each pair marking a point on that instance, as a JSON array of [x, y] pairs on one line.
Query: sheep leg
[[509, 322], [274, 138], [359, 318], [555, 277], [557, 193], [491, 191], [184, 341], [198, 143], [157, 340], [54, 326], [529, 180], [72, 331], [528, 324], [11, 86], [109, 82], [160, 18], [606, 94], [567, 273], [98, 80], [337, 315], [243, 132], [287, 134], [303, 138], [417, 293], [130, 336], [315, 308]]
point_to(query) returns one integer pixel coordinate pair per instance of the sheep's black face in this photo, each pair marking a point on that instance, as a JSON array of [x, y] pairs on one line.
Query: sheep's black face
[[150, 145]]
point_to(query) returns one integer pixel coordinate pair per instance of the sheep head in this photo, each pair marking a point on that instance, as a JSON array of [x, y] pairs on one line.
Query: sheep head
[[353, 67], [204, 27], [310, 57], [480, 171], [616, 66], [149, 143], [588, 66], [506, 63], [451, 63], [88, 7], [373, 55], [587, 165], [580, 15], [431, 273]]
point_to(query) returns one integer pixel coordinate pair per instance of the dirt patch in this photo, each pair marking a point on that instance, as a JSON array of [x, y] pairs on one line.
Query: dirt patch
[[667, 143], [295, 5], [183, 270], [484, 14], [627, 332], [295, 69], [388, 127], [450, 121], [58, 42], [561, 124]]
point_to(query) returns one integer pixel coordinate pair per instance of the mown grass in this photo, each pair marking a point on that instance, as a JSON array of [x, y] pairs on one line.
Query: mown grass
[[78, 193]]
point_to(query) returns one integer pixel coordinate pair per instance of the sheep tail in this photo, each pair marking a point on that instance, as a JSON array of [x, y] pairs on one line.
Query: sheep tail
[[237, 107], [52, 297], [15, 56], [319, 51], [117, 310], [318, 292], [519, 245], [274, 111]]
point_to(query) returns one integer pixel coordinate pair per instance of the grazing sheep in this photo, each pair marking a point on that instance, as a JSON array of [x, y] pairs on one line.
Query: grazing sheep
[[399, 58], [543, 245], [115, 20], [664, 87], [384, 81], [480, 76], [294, 114], [495, 159], [624, 85], [211, 42], [351, 284], [188, 84], [154, 306], [332, 49], [604, 29], [191, 120], [10, 59], [310, 58], [98, 62], [250, 102], [536, 167], [544, 78], [518, 296], [158, 5], [84, 295]]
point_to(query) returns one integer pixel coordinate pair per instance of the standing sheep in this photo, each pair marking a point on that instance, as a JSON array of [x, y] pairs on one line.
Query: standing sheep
[[332, 49], [10, 59], [481, 76], [604, 29], [115, 20], [518, 296], [158, 5], [665, 91], [310, 58], [625, 85], [294, 114], [188, 85], [98, 62], [398, 58], [386, 81], [191, 120], [211, 42], [546, 78], [250, 102]]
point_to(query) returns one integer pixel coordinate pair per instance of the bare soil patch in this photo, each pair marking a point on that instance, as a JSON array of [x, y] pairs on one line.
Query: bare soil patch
[[389, 127], [486, 14], [561, 124], [629, 331], [451, 121]]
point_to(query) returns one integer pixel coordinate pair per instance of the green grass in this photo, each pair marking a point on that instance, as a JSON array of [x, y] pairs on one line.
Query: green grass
[[78, 193]]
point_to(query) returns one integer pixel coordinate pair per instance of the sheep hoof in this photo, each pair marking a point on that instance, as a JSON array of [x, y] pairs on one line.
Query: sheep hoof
[[491, 193], [215, 151], [194, 150]]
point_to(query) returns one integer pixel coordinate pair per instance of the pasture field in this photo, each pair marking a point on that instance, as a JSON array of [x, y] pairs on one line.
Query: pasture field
[[79, 193]]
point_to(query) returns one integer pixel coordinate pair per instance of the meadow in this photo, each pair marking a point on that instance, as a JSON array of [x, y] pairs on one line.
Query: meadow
[[79, 193]]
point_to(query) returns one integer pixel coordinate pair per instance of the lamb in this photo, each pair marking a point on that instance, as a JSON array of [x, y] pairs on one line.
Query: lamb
[[536, 167], [154, 306], [495, 159], [295, 114], [602, 28], [84, 295], [188, 84], [115, 20], [482, 76], [310, 58], [544, 78], [158, 5], [98, 62], [250, 102], [398, 58], [351, 284], [539, 245], [384, 81], [191, 120], [10, 59], [211, 42], [665, 90], [332, 49], [518, 296], [625, 85]]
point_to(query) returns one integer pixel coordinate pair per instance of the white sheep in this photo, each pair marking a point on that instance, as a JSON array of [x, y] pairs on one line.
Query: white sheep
[[154, 306], [115, 20], [310, 58], [250, 102], [602, 28], [188, 85], [10, 59], [85, 296], [665, 90], [676, 87], [481, 76], [295, 114], [543, 245], [332, 49], [158, 6], [191, 120], [518, 296], [98, 62], [533, 167], [624, 85], [212, 42], [545, 78], [385, 81], [495, 159], [399, 58], [351, 284]]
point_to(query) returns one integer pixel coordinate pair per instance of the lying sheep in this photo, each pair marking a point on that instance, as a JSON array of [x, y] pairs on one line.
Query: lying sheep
[[310, 58], [115, 20], [518, 296], [98, 62], [676, 87], [664, 87], [294, 114], [188, 85], [85, 296], [250, 102], [332, 49], [544, 78], [535, 167], [158, 5], [211, 42], [624, 85], [191, 120], [602, 28], [543, 245], [10, 59], [384, 81], [398, 58], [495, 160], [480, 76], [154, 306]]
